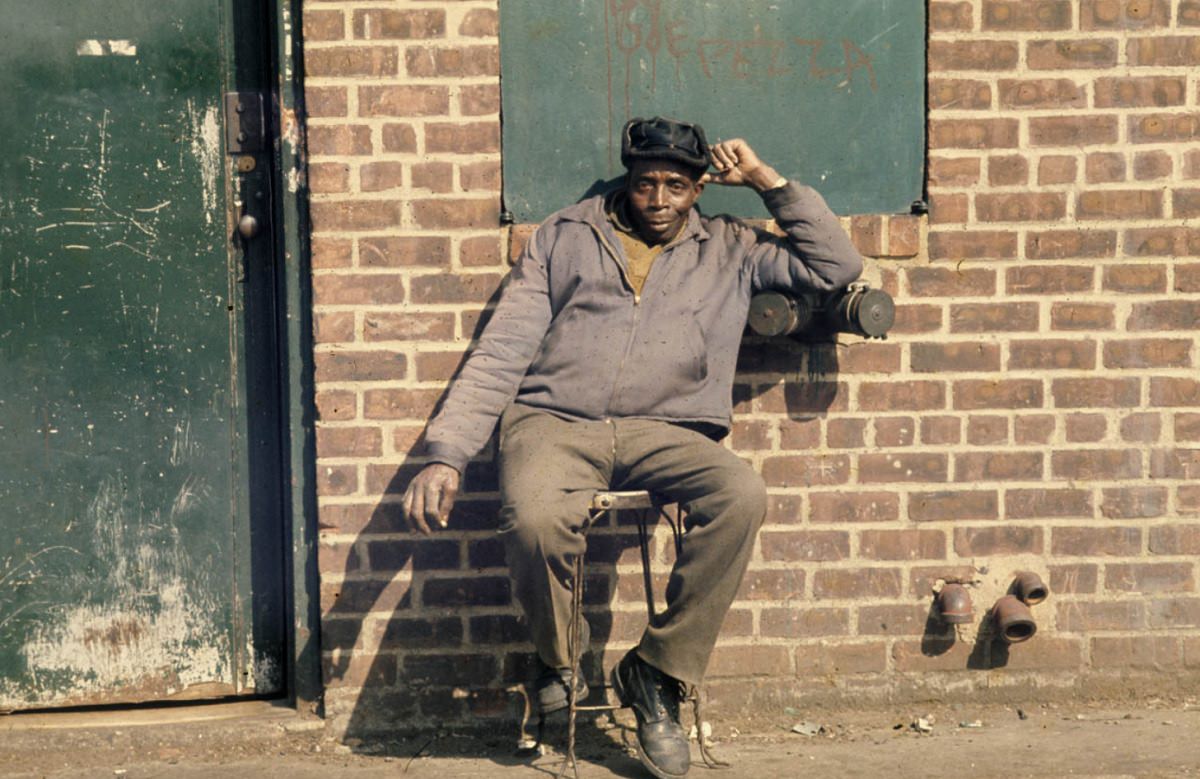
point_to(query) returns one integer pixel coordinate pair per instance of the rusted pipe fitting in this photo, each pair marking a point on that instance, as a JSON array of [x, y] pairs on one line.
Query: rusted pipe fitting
[[1014, 620], [1029, 588], [954, 604]]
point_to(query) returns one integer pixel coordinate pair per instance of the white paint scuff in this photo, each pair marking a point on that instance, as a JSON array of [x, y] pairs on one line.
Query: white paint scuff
[[205, 146], [106, 47]]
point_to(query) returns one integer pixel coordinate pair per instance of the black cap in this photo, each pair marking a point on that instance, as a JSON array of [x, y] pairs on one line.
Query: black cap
[[664, 139]]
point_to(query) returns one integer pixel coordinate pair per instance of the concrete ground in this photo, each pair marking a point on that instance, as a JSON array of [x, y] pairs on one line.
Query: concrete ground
[[259, 741]]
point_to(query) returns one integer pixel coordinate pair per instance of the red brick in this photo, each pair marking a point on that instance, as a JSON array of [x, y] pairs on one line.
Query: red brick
[[784, 509], [328, 177], [806, 470], [1052, 354], [1082, 316], [354, 215], [1097, 464], [894, 431], [331, 252], [1185, 203], [455, 288], [1059, 244], [1124, 14], [455, 62], [359, 366], [1191, 164], [351, 61], [1096, 392], [1164, 128], [470, 214], [1041, 93], [349, 441], [438, 366], [845, 433], [1020, 207], [1085, 428], [342, 139], [1174, 463], [1152, 165], [750, 435], [997, 466], [1143, 651], [1176, 613], [1008, 170], [1085, 54], [993, 317], [480, 23], [1055, 169], [902, 544], [810, 396], [1164, 315], [853, 507], [1072, 130], [1084, 617], [320, 102], [901, 467], [1187, 427], [403, 100], [479, 99], [917, 319], [323, 25], [952, 505], [853, 583], [480, 176], [1037, 15], [953, 171], [959, 94], [1136, 278], [940, 430], [389, 24], [468, 138], [357, 289], [735, 660], [1140, 92], [1134, 502], [1104, 167], [1167, 241], [1164, 51], [1187, 277], [1175, 540], [399, 138], [480, 252], [948, 208], [786, 584], [337, 479], [1046, 503], [972, 55], [799, 434], [829, 660], [863, 357], [804, 623], [806, 545], [1142, 428], [1033, 428], [1096, 541], [949, 16], [1048, 279], [958, 357], [409, 326], [1187, 499], [950, 282], [894, 620], [904, 236], [866, 234], [903, 395], [1008, 393], [1072, 579], [974, 133], [997, 540], [1174, 391], [930, 654], [433, 176], [335, 405], [399, 404], [1189, 13], [983, 430], [380, 176]]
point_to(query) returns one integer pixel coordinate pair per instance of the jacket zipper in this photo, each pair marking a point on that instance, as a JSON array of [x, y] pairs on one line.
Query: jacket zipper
[[637, 310]]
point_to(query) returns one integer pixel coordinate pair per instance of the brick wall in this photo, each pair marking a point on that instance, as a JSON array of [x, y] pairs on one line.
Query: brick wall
[[1036, 407]]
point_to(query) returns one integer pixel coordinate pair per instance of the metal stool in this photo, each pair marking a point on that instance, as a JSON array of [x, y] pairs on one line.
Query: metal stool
[[602, 503]]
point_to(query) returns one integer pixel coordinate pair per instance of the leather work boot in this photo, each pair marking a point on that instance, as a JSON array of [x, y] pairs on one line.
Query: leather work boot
[[654, 697], [551, 689]]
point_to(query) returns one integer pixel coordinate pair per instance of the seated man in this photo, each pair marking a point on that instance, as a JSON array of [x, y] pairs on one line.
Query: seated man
[[609, 362]]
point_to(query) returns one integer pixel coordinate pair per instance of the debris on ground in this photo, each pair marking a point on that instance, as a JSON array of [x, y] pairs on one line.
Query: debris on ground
[[807, 728], [922, 724], [975, 723]]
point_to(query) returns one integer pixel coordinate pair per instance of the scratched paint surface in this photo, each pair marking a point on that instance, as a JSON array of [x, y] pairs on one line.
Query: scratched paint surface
[[119, 401], [831, 92]]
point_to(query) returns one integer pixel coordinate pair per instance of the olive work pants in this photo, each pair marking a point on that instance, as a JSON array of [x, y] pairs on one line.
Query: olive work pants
[[549, 470]]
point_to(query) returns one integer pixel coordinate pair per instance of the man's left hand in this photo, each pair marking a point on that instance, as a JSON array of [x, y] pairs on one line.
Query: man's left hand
[[737, 165]]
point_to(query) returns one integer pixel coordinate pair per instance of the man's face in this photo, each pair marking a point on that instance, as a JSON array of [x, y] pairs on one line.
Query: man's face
[[661, 193]]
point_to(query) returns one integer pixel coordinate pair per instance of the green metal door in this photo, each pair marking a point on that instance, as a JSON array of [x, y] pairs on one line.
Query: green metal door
[[141, 542]]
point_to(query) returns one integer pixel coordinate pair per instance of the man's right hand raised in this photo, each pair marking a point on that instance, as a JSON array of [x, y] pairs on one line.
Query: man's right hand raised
[[430, 496]]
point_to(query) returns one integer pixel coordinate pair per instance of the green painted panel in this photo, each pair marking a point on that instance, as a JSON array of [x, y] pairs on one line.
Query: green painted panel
[[126, 529], [831, 92]]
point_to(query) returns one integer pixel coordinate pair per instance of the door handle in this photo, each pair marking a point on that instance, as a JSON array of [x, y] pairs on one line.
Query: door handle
[[247, 226]]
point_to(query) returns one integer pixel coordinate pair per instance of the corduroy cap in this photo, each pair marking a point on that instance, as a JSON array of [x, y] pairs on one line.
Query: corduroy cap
[[664, 139]]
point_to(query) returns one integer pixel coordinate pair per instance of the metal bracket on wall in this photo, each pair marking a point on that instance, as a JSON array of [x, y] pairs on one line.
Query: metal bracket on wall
[[245, 124]]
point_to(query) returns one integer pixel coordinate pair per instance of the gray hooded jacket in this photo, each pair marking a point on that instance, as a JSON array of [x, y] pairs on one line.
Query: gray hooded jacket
[[569, 335]]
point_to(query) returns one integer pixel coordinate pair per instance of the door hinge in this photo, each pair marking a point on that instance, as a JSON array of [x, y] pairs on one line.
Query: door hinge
[[245, 123]]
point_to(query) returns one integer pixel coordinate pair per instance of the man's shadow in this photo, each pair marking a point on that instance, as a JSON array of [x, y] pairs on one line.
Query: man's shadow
[[423, 633]]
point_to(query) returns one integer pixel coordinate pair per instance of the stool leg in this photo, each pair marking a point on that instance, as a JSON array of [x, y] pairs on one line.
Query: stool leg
[[574, 652]]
